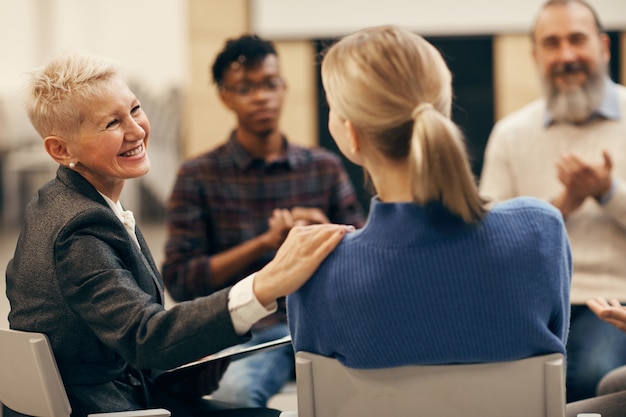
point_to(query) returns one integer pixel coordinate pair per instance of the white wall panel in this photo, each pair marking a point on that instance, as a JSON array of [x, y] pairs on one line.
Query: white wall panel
[[310, 19]]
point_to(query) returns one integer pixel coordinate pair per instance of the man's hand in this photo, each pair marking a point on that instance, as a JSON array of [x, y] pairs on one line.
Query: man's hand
[[612, 312], [283, 220], [303, 216], [279, 225], [296, 260], [582, 179]]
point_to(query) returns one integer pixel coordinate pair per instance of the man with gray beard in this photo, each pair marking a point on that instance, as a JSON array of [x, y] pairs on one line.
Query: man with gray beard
[[570, 148]]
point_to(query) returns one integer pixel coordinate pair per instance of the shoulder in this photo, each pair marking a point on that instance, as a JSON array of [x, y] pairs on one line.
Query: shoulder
[[529, 210], [526, 203], [81, 209], [534, 231], [91, 224], [58, 198], [60, 210]]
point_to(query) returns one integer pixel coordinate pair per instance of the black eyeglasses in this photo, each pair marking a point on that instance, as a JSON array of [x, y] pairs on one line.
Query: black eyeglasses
[[247, 88]]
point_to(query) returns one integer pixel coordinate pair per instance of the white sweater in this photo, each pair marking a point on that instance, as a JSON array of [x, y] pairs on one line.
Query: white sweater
[[520, 159]]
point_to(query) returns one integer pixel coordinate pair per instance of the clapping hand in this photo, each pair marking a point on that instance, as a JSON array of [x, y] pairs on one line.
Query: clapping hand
[[583, 179], [283, 220], [303, 216]]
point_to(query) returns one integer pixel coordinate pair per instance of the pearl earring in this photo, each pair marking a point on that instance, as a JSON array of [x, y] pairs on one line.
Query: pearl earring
[[72, 165]]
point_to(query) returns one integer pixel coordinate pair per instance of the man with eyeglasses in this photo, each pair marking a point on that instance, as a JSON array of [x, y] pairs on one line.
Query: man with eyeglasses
[[232, 207]]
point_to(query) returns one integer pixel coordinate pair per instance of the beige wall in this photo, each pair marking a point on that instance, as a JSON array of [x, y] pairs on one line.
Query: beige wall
[[515, 78], [207, 123]]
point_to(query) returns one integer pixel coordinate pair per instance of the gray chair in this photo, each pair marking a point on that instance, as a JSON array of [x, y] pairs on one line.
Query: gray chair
[[30, 382], [532, 387]]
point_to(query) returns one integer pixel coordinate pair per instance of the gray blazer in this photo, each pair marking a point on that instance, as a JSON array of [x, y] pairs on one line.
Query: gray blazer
[[78, 277]]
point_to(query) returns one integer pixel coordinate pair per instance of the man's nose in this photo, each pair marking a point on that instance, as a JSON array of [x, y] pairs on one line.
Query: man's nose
[[567, 53], [259, 92]]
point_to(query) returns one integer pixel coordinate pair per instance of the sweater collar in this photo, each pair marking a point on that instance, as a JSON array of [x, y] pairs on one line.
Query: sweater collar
[[401, 223]]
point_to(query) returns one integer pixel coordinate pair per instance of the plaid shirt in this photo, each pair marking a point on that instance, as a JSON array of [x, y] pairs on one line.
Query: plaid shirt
[[225, 197]]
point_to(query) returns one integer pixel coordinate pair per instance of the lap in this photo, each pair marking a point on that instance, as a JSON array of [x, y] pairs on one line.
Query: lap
[[251, 381], [612, 405], [594, 348], [614, 381]]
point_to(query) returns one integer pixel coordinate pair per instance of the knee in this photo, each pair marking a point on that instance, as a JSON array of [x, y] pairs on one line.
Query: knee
[[614, 381]]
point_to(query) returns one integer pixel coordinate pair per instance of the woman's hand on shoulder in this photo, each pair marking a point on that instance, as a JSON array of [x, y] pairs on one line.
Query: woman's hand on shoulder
[[297, 259]]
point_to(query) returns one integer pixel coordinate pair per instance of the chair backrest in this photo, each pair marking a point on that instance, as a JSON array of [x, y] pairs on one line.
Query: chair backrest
[[29, 378], [532, 387]]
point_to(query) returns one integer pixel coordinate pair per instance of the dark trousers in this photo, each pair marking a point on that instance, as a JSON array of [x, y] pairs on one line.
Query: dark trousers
[[594, 348]]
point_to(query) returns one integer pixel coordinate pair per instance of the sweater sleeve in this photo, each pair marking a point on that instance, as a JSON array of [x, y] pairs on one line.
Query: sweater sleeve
[[186, 269]]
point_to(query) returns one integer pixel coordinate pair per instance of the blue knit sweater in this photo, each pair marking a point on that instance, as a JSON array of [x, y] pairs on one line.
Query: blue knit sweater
[[416, 285]]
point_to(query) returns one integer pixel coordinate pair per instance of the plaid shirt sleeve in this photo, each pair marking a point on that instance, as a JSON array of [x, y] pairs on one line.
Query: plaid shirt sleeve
[[186, 266]]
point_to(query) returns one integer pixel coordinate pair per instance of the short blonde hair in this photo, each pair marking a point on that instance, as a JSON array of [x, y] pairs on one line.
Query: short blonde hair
[[55, 92], [396, 89]]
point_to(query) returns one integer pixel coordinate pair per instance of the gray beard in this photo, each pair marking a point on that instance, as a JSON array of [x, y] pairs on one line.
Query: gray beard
[[575, 104]]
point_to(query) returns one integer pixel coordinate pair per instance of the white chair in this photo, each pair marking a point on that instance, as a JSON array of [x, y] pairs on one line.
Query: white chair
[[532, 387], [30, 382]]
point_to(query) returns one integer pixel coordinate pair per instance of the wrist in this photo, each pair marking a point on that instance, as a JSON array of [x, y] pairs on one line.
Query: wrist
[[566, 203], [266, 242], [245, 307], [605, 196], [264, 292]]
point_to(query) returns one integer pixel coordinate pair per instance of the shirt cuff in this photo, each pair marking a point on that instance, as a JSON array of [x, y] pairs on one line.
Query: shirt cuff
[[245, 309], [606, 197]]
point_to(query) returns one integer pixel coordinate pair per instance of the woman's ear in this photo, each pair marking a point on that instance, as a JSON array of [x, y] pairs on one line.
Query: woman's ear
[[353, 137], [56, 147]]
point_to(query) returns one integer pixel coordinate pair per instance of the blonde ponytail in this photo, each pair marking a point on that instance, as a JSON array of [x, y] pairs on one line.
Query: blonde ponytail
[[441, 171]]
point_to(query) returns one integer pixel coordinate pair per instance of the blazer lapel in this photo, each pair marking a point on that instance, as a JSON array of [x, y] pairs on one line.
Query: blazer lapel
[[146, 258]]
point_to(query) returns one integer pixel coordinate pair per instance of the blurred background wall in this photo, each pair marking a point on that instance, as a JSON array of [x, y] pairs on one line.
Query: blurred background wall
[[167, 47]]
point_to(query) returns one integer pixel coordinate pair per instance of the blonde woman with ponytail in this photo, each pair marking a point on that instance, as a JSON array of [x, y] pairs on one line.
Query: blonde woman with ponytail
[[436, 275]]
